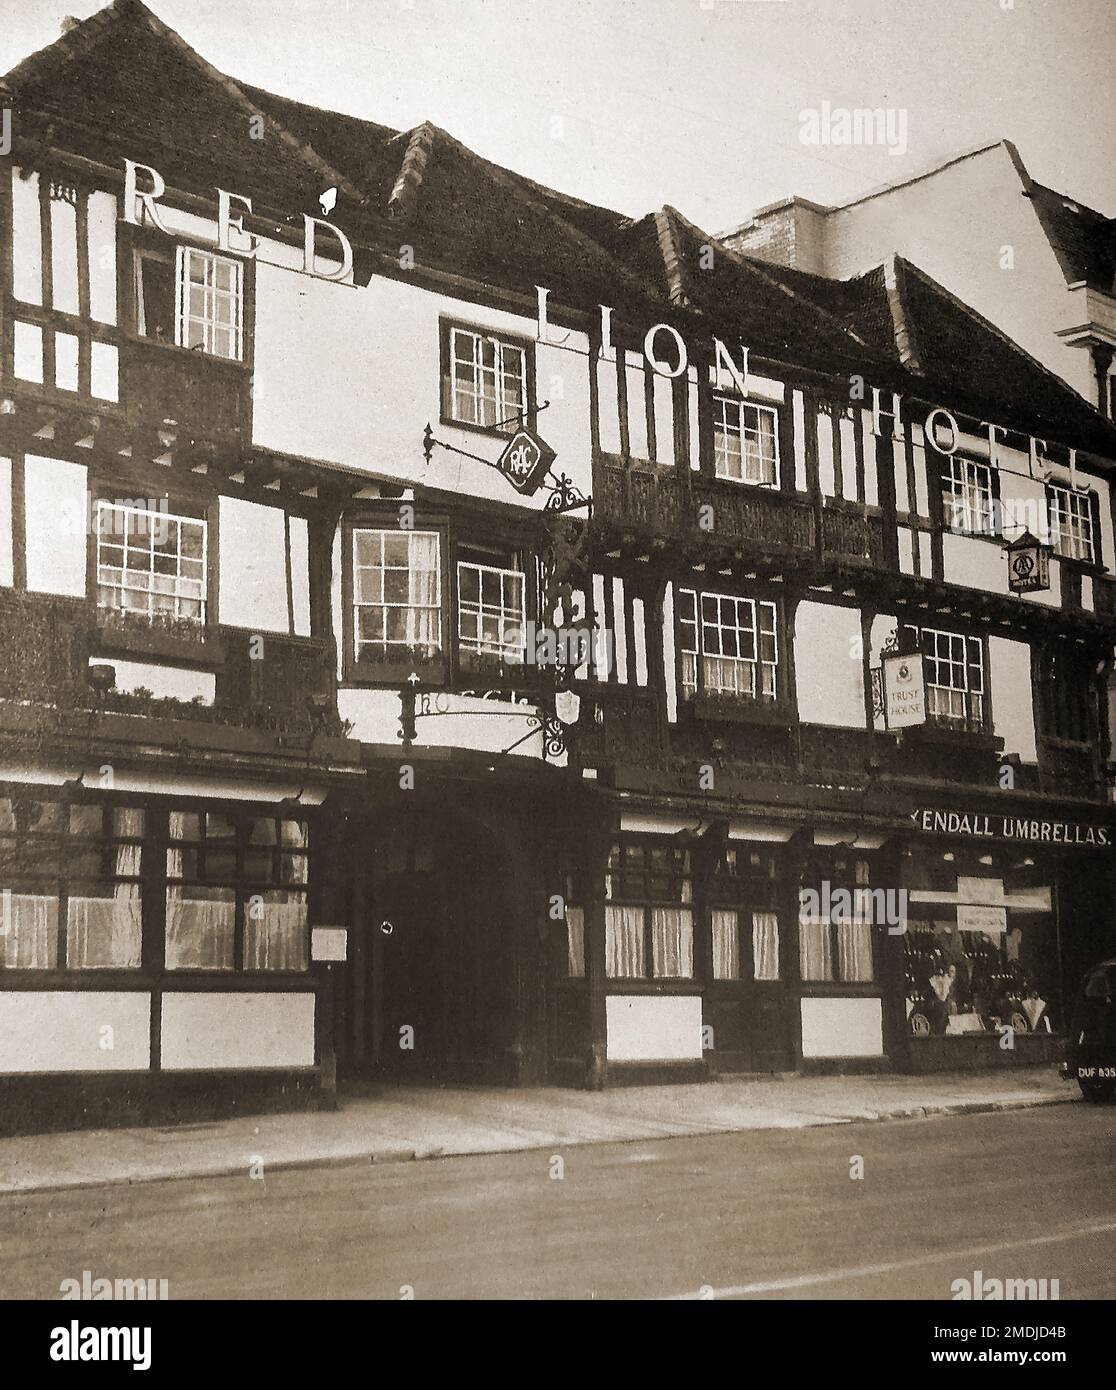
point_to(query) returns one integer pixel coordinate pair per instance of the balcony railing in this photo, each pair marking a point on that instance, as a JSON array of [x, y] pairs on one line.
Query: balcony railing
[[666, 503]]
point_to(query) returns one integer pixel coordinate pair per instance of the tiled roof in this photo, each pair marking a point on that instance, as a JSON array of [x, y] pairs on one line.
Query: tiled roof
[[122, 83], [1083, 239]]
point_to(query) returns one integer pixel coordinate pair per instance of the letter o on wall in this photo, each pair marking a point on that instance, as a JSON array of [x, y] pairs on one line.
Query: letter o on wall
[[649, 350]]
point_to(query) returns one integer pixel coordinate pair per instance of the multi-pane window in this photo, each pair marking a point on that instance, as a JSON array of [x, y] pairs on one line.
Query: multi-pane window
[[70, 888], [835, 923], [745, 921], [1071, 523], [397, 594], [490, 612], [968, 496], [487, 380], [649, 918], [224, 872], [745, 442], [209, 303], [195, 302], [151, 562], [955, 683], [732, 650]]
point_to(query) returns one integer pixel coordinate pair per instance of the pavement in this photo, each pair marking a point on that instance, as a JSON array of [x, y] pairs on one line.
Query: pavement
[[384, 1124]]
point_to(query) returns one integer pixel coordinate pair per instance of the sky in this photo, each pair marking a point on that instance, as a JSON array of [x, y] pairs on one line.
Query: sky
[[699, 104]]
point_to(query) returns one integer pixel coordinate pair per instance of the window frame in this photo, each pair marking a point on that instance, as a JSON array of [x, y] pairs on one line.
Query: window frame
[[960, 489], [622, 846], [1088, 498], [972, 642], [471, 657], [448, 327], [724, 398], [204, 619], [780, 665], [183, 318]]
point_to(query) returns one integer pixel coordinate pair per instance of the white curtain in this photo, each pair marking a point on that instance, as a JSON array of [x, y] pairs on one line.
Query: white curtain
[[854, 951], [726, 944], [28, 931], [729, 675], [423, 617], [815, 950], [575, 934], [107, 932], [276, 940], [624, 942], [672, 942], [765, 945], [201, 923]]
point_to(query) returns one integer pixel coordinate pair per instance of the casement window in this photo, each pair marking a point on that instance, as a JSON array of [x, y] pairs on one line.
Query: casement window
[[835, 924], [245, 876], [969, 500], [956, 689], [745, 442], [397, 594], [729, 646], [70, 886], [649, 918], [485, 379], [1068, 694], [745, 921], [196, 302], [490, 611], [1072, 523], [151, 562]]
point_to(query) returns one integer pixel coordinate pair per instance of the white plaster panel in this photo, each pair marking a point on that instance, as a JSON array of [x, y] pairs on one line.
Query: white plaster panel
[[641, 1028], [828, 667], [842, 1028], [65, 1030], [1009, 682], [216, 1031], [57, 525], [253, 569]]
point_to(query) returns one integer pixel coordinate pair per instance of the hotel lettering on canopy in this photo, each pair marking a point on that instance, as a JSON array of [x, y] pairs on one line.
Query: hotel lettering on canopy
[[289, 791]]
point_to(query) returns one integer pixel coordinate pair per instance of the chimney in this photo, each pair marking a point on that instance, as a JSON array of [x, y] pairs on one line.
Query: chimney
[[790, 233]]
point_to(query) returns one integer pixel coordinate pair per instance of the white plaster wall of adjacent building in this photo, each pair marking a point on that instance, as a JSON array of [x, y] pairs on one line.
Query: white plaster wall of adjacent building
[[955, 225]]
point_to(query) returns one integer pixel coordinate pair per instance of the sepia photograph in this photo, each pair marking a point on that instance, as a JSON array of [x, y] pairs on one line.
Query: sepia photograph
[[585, 768]]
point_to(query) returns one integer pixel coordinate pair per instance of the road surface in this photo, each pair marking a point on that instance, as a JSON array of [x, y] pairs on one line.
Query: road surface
[[767, 1214]]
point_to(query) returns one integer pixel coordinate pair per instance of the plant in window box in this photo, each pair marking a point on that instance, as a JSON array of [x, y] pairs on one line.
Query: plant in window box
[[503, 665], [724, 705], [158, 634], [395, 664]]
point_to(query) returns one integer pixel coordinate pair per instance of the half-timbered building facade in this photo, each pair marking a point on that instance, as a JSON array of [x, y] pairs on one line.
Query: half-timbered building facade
[[444, 626]]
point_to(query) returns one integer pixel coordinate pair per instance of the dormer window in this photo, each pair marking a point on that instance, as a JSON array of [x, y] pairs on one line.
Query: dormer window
[[745, 442], [194, 301]]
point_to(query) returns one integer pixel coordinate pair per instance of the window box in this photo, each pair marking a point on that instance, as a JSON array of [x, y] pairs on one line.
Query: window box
[[939, 731], [736, 709], [399, 667], [175, 639]]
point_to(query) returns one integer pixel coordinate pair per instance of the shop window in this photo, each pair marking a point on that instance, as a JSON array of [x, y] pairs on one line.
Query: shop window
[[151, 563], [745, 922], [729, 646], [224, 874], [961, 982], [490, 614], [484, 379], [955, 681], [75, 865], [745, 442], [649, 920], [397, 595], [835, 924], [1073, 523], [969, 496]]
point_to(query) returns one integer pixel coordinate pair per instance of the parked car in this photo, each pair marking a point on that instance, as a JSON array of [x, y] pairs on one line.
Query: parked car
[[1091, 1053]]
